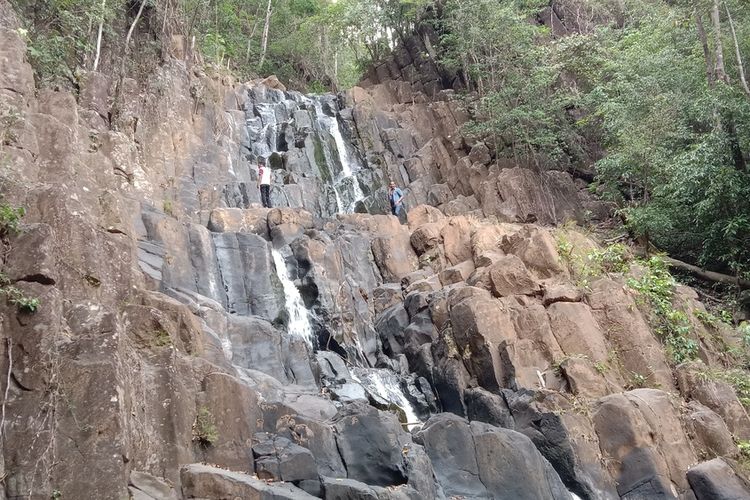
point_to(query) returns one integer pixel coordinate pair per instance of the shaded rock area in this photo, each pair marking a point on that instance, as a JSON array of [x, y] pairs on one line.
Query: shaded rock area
[[321, 349]]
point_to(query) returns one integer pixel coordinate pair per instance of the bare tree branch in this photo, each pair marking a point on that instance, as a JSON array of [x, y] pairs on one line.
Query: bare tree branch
[[737, 52], [721, 73], [135, 21], [99, 37], [265, 35]]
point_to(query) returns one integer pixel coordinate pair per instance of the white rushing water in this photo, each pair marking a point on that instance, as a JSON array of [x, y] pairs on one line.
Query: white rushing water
[[331, 125], [384, 384], [299, 319]]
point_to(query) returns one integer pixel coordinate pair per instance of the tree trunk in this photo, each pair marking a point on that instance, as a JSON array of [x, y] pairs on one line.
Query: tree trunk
[[99, 37], [710, 75], [721, 73], [252, 32], [132, 26], [743, 80], [264, 42], [707, 275]]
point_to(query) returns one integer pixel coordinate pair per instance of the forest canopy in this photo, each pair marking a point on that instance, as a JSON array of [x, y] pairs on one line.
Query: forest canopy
[[660, 86]]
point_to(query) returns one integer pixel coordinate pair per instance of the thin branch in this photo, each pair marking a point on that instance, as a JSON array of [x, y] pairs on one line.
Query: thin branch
[[252, 32], [737, 51], [710, 75], [135, 21], [9, 342], [721, 73], [265, 35], [99, 37]]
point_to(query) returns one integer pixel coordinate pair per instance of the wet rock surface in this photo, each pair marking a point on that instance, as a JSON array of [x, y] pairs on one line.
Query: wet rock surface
[[451, 356]]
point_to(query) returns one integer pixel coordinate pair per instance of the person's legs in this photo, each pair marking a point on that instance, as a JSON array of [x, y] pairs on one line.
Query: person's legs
[[265, 195]]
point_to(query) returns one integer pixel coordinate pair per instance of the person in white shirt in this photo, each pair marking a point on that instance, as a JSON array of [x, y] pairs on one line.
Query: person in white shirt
[[264, 182]]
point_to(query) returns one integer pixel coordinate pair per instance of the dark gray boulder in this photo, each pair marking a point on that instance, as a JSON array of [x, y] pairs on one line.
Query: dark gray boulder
[[390, 327], [478, 460], [378, 452], [716, 480], [485, 406], [278, 459], [370, 443]]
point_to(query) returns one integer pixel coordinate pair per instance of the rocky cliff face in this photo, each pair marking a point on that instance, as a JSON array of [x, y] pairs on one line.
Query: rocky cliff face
[[320, 348]]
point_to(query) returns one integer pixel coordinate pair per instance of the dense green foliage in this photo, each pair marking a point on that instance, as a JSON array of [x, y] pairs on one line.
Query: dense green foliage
[[632, 75], [314, 44], [498, 51], [317, 43]]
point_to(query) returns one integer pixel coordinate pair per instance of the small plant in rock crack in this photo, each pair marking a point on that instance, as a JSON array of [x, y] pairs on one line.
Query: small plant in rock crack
[[637, 381], [205, 432], [10, 219], [161, 338], [611, 259], [168, 207], [601, 367], [10, 117], [16, 297]]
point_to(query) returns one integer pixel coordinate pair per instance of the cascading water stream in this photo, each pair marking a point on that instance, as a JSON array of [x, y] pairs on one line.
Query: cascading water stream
[[263, 129], [299, 319], [331, 126], [384, 384]]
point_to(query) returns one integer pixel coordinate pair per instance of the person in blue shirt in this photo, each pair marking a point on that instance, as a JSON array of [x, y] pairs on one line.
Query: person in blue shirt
[[395, 197]]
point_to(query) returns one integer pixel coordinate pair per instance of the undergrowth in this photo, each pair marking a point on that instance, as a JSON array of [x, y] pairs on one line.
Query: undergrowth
[[204, 429], [611, 259], [10, 224], [656, 287], [738, 378]]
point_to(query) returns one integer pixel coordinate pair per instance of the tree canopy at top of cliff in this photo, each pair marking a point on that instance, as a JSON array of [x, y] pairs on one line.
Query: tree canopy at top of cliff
[[653, 93], [317, 44]]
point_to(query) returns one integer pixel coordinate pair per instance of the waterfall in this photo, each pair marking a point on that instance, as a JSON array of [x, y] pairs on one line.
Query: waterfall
[[385, 385], [299, 319], [331, 125]]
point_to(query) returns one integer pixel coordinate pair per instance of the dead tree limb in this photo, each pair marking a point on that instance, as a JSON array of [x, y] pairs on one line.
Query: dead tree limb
[[705, 275]]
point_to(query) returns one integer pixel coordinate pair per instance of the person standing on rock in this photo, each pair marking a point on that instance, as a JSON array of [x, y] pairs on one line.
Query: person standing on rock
[[395, 197], [264, 182]]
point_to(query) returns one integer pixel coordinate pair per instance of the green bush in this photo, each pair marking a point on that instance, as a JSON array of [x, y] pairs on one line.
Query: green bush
[[204, 428], [16, 297], [656, 288], [10, 219]]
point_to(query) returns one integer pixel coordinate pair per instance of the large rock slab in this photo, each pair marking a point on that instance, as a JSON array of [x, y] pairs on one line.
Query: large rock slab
[[370, 443], [478, 460], [641, 431], [639, 352], [716, 480], [481, 327], [509, 276], [522, 195], [204, 481]]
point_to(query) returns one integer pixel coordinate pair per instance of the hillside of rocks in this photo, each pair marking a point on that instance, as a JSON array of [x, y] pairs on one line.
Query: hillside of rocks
[[189, 343]]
